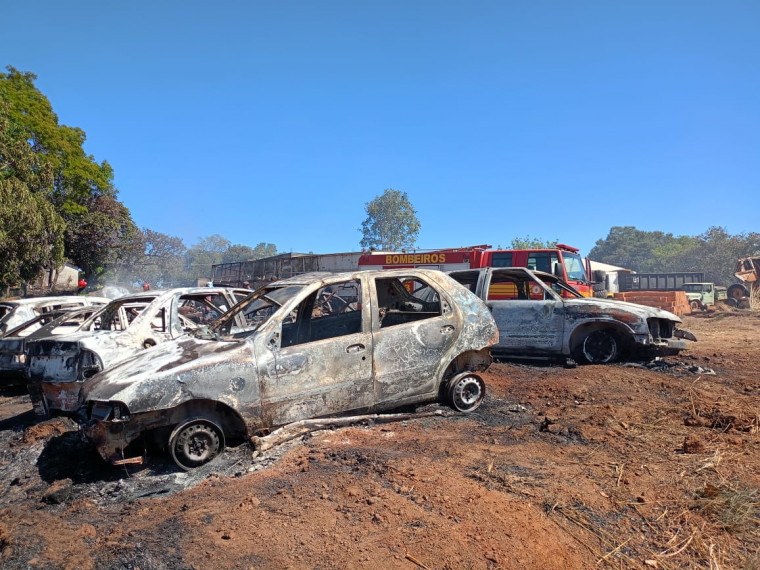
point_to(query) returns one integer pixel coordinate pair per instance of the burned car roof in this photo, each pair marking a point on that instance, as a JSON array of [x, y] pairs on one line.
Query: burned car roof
[[18, 311]]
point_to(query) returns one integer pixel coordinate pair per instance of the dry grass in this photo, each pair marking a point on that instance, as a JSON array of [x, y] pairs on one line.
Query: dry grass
[[723, 414], [735, 509]]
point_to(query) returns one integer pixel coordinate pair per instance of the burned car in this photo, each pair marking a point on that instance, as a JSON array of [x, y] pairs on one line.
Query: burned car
[[315, 345], [535, 320], [51, 323], [58, 366], [19, 311]]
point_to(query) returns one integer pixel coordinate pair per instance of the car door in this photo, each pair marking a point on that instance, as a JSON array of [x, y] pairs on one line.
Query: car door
[[318, 361], [413, 326], [530, 317]]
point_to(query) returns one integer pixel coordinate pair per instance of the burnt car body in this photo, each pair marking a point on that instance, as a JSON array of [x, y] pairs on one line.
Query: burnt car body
[[534, 320], [13, 343], [315, 345], [58, 366], [19, 311]]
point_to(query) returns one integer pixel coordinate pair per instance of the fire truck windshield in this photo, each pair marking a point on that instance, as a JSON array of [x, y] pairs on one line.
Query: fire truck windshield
[[574, 266]]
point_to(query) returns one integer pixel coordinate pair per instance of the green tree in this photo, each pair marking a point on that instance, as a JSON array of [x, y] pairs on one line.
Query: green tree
[[713, 252], [99, 228], [31, 232], [529, 242], [638, 250], [103, 239], [246, 253], [207, 252], [162, 263], [77, 177], [391, 222]]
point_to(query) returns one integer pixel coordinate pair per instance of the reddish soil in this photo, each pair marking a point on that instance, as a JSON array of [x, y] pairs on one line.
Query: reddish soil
[[588, 467]]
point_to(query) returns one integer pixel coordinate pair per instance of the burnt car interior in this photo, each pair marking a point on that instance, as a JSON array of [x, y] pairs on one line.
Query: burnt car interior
[[508, 288], [334, 310], [513, 287], [405, 301], [202, 310]]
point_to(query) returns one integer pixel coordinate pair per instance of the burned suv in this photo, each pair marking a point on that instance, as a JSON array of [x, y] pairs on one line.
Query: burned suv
[[315, 345]]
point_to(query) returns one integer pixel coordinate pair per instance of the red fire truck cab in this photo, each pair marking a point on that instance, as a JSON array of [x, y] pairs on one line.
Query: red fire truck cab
[[562, 261]]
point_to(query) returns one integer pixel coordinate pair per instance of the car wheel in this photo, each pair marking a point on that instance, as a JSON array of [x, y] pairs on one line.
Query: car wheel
[[465, 392], [737, 291], [195, 442], [695, 305], [599, 347]]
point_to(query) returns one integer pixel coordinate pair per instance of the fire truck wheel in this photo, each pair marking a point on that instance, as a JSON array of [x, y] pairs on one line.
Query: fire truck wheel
[[599, 347], [465, 392]]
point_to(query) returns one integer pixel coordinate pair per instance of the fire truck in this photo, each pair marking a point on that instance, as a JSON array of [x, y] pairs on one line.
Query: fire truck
[[562, 261]]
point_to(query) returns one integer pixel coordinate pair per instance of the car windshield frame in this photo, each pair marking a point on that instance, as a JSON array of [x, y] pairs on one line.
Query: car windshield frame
[[271, 295]]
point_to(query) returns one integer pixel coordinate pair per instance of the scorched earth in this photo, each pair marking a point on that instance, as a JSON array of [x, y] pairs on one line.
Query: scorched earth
[[590, 467]]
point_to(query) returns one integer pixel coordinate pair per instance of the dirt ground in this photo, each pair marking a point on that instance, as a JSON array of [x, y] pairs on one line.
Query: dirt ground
[[623, 466]]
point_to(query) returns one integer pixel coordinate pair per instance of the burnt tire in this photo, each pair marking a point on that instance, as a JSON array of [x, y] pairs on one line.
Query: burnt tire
[[196, 442], [599, 347], [465, 392]]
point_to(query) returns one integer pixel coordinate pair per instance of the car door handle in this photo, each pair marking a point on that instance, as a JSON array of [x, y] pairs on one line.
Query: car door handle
[[448, 329], [355, 348]]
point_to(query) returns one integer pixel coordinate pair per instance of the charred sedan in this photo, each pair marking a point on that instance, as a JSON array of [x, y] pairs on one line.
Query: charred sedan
[[58, 366], [13, 343], [535, 320], [18, 312], [314, 346]]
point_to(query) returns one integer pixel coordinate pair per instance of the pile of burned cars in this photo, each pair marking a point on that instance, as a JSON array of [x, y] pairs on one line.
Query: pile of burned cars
[[312, 346], [188, 370], [58, 366], [18, 312]]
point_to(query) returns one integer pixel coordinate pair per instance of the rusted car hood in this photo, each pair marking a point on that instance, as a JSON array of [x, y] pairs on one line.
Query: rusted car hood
[[165, 375], [614, 308]]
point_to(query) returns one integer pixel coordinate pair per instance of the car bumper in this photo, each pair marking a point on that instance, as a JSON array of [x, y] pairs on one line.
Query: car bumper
[[110, 438]]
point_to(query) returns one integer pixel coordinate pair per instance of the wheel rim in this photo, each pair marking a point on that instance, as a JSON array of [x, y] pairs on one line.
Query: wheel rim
[[467, 393], [599, 347], [196, 443]]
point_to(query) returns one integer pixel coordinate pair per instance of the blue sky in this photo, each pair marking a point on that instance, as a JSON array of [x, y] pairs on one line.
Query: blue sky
[[278, 121]]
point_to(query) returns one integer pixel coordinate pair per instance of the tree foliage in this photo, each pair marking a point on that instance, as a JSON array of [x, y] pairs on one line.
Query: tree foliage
[[713, 252], [77, 177], [162, 262], [391, 222], [102, 238], [31, 232], [529, 242], [215, 249], [49, 160], [245, 253]]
